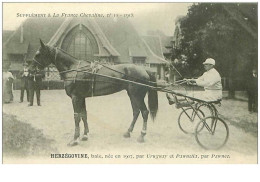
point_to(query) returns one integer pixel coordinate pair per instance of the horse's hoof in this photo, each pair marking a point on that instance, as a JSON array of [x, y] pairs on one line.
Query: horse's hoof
[[127, 135], [84, 138], [73, 143], [140, 139]]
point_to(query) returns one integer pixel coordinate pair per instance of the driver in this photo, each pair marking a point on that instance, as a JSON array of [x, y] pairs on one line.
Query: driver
[[210, 80]]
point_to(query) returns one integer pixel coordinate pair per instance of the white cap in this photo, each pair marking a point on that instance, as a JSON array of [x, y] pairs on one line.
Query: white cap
[[209, 61]]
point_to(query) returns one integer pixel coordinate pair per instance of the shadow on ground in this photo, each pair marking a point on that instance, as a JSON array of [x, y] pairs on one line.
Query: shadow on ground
[[22, 140]]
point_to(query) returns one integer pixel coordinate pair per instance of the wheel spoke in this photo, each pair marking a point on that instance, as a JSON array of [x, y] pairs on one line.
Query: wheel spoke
[[214, 135], [188, 120]]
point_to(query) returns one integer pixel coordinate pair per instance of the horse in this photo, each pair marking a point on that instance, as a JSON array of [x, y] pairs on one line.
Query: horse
[[80, 84]]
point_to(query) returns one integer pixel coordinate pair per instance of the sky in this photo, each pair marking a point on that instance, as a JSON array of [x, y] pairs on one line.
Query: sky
[[146, 16]]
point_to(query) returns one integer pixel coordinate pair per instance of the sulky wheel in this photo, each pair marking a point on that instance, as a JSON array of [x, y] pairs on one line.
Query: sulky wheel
[[207, 109], [212, 133], [188, 120]]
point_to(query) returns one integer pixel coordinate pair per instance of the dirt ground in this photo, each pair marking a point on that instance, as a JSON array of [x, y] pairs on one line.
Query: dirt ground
[[110, 116]]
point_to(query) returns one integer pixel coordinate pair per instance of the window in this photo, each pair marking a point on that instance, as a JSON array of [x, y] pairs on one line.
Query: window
[[80, 43], [139, 60], [80, 47]]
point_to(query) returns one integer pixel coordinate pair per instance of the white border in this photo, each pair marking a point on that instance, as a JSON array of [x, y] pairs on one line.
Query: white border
[[122, 173]]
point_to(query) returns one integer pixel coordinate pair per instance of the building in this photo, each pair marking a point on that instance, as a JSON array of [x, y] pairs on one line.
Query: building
[[109, 41]]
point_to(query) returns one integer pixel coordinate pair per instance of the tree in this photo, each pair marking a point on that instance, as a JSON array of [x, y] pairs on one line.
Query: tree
[[210, 30]]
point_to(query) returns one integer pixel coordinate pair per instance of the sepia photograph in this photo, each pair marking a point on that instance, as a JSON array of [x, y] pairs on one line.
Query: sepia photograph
[[130, 83]]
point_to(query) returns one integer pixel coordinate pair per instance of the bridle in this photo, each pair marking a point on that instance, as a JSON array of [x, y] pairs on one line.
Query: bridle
[[38, 63], [56, 52]]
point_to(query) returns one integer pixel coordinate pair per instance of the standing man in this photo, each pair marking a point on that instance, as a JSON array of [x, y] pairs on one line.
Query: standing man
[[35, 84], [24, 74], [252, 91]]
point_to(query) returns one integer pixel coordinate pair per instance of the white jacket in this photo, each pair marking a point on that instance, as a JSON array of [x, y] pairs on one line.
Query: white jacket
[[211, 81]]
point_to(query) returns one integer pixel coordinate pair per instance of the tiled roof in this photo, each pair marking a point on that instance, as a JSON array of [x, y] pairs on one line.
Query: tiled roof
[[135, 51]]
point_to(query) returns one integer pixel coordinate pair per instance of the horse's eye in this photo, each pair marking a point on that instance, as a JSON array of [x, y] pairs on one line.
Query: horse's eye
[[37, 54]]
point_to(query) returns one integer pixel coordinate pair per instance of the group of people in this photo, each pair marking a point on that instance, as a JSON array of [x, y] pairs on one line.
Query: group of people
[[31, 82], [211, 81]]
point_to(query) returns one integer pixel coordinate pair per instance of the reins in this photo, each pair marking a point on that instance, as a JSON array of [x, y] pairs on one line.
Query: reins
[[67, 71], [96, 74]]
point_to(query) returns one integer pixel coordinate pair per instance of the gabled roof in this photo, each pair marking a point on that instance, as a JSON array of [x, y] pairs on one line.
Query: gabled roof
[[152, 57], [135, 51], [165, 41], [33, 30], [116, 37], [123, 36], [154, 42], [106, 49], [7, 34]]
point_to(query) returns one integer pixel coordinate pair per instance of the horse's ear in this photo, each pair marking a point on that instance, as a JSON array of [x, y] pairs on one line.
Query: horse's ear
[[42, 44]]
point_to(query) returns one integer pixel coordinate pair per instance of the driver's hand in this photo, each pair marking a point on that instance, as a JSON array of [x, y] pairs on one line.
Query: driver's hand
[[187, 81]]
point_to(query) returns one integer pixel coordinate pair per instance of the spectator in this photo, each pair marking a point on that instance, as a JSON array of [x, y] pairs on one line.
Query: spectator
[[24, 82], [34, 85], [252, 92], [167, 76], [7, 85]]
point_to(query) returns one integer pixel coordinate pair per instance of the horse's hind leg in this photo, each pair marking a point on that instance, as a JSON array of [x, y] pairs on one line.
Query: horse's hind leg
[[76, 101], [84, 118], [136, 112], [145, 114]]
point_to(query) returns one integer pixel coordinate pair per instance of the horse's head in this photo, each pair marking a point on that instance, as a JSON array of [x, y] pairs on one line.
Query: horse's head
[[42, 58]]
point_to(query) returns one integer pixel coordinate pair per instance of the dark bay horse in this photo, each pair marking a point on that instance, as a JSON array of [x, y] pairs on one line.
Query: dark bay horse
[[79, 84]]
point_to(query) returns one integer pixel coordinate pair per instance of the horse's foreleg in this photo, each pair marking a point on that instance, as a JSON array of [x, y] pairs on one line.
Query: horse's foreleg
[[84, 118], [77, 118], [77, 129]]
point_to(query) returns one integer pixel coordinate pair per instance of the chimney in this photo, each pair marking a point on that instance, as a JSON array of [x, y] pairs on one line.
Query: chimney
[[21, 37]]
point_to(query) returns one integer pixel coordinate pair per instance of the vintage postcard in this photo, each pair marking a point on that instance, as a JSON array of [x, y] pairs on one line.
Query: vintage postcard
[[130, 83]]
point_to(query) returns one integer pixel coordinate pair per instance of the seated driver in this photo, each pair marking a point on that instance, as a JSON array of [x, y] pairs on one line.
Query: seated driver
[[210, 80]]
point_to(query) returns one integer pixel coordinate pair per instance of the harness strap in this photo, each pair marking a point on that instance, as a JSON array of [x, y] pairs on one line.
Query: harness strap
[[93, 83], [76, 72], [56, 53]]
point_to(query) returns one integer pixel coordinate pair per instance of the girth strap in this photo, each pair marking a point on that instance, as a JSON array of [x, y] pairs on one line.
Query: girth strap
[[76, 72], [93, 83]]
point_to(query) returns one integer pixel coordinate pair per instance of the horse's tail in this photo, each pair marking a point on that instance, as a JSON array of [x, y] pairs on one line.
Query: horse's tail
[[152, 97]]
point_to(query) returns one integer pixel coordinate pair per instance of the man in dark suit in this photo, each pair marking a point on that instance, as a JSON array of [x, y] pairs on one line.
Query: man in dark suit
[[24, 82], [252, 90], [35, 85]]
